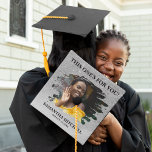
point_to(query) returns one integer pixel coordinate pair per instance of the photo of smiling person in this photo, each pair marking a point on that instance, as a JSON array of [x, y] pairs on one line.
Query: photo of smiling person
[[73, 95]]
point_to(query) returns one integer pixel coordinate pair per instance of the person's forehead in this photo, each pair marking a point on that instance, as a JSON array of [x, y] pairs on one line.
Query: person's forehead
[[80, 83], [113, 44]]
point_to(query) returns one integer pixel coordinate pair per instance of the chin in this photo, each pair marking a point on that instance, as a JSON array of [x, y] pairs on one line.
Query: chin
[[77, 100], [76, 97]]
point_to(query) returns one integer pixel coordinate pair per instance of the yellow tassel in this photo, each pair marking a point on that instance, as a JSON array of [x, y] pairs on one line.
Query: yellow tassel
[[46, 65], [76, 110]]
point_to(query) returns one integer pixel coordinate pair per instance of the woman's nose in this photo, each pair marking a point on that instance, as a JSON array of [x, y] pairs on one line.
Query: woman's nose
[[109, 65], [80, 90]]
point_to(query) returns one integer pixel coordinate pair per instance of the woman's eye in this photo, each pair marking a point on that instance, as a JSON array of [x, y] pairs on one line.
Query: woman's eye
[[78, 87], [103, 58], [119, 63]]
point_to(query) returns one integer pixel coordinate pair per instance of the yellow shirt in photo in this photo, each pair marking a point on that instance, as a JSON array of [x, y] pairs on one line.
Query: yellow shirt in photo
[[71, 111]]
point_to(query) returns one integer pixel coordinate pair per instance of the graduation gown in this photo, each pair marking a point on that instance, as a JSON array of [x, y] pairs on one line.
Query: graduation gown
[[39, 134]]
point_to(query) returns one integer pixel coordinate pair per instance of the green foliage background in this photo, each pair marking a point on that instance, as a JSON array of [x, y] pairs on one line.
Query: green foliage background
[[146, 105]]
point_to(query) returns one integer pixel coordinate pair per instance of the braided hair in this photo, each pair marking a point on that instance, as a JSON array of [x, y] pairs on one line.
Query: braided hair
[[113, 34]]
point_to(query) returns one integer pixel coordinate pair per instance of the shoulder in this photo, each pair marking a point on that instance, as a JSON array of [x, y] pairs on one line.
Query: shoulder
[[131, 96], [81, 106], [31, 82], [129, 90], [33, 75], [126, 87]]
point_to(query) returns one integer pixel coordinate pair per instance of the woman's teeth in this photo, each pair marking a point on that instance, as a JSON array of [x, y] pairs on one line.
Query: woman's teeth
[[77, 94], [106, 76], [109, 77]]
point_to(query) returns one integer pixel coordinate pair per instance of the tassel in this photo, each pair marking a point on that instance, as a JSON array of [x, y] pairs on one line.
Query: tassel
[[76, 110], [46, 65]]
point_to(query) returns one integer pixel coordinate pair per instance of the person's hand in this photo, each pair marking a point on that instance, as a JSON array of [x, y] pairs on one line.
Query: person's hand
[[98, 136], [65, 96]]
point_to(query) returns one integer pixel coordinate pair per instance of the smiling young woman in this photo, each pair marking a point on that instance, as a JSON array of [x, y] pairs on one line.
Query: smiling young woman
[[124, 128], [111, 59]]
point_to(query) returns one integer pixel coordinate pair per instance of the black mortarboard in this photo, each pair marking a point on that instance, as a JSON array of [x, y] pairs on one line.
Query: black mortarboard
[[74, 20], [73, 23]]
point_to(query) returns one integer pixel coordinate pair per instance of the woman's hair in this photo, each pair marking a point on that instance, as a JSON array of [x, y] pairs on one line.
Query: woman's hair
[[64, 42], [77, 80], [112, 34]]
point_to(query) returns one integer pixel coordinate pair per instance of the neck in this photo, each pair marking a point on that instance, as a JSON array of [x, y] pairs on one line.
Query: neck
[[69, 104]]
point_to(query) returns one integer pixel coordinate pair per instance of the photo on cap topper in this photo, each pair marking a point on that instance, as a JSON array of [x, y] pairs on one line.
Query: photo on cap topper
[[75, 82], [82, 92]]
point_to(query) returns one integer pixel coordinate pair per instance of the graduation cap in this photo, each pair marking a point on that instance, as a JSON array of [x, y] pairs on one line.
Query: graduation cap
[[73, 20]]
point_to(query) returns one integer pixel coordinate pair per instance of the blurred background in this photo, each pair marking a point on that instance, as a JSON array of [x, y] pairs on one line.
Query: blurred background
[[21, 50]]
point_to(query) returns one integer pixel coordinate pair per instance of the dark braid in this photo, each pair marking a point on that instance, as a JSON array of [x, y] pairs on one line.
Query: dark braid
[[113, 34]]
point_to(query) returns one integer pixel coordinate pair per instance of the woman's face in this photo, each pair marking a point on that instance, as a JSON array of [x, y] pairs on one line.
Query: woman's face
[[111, 59], [78, 89]]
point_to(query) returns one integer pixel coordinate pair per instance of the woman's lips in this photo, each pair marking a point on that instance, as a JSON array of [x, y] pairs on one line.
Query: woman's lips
[[76, 94], [108, 76]]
